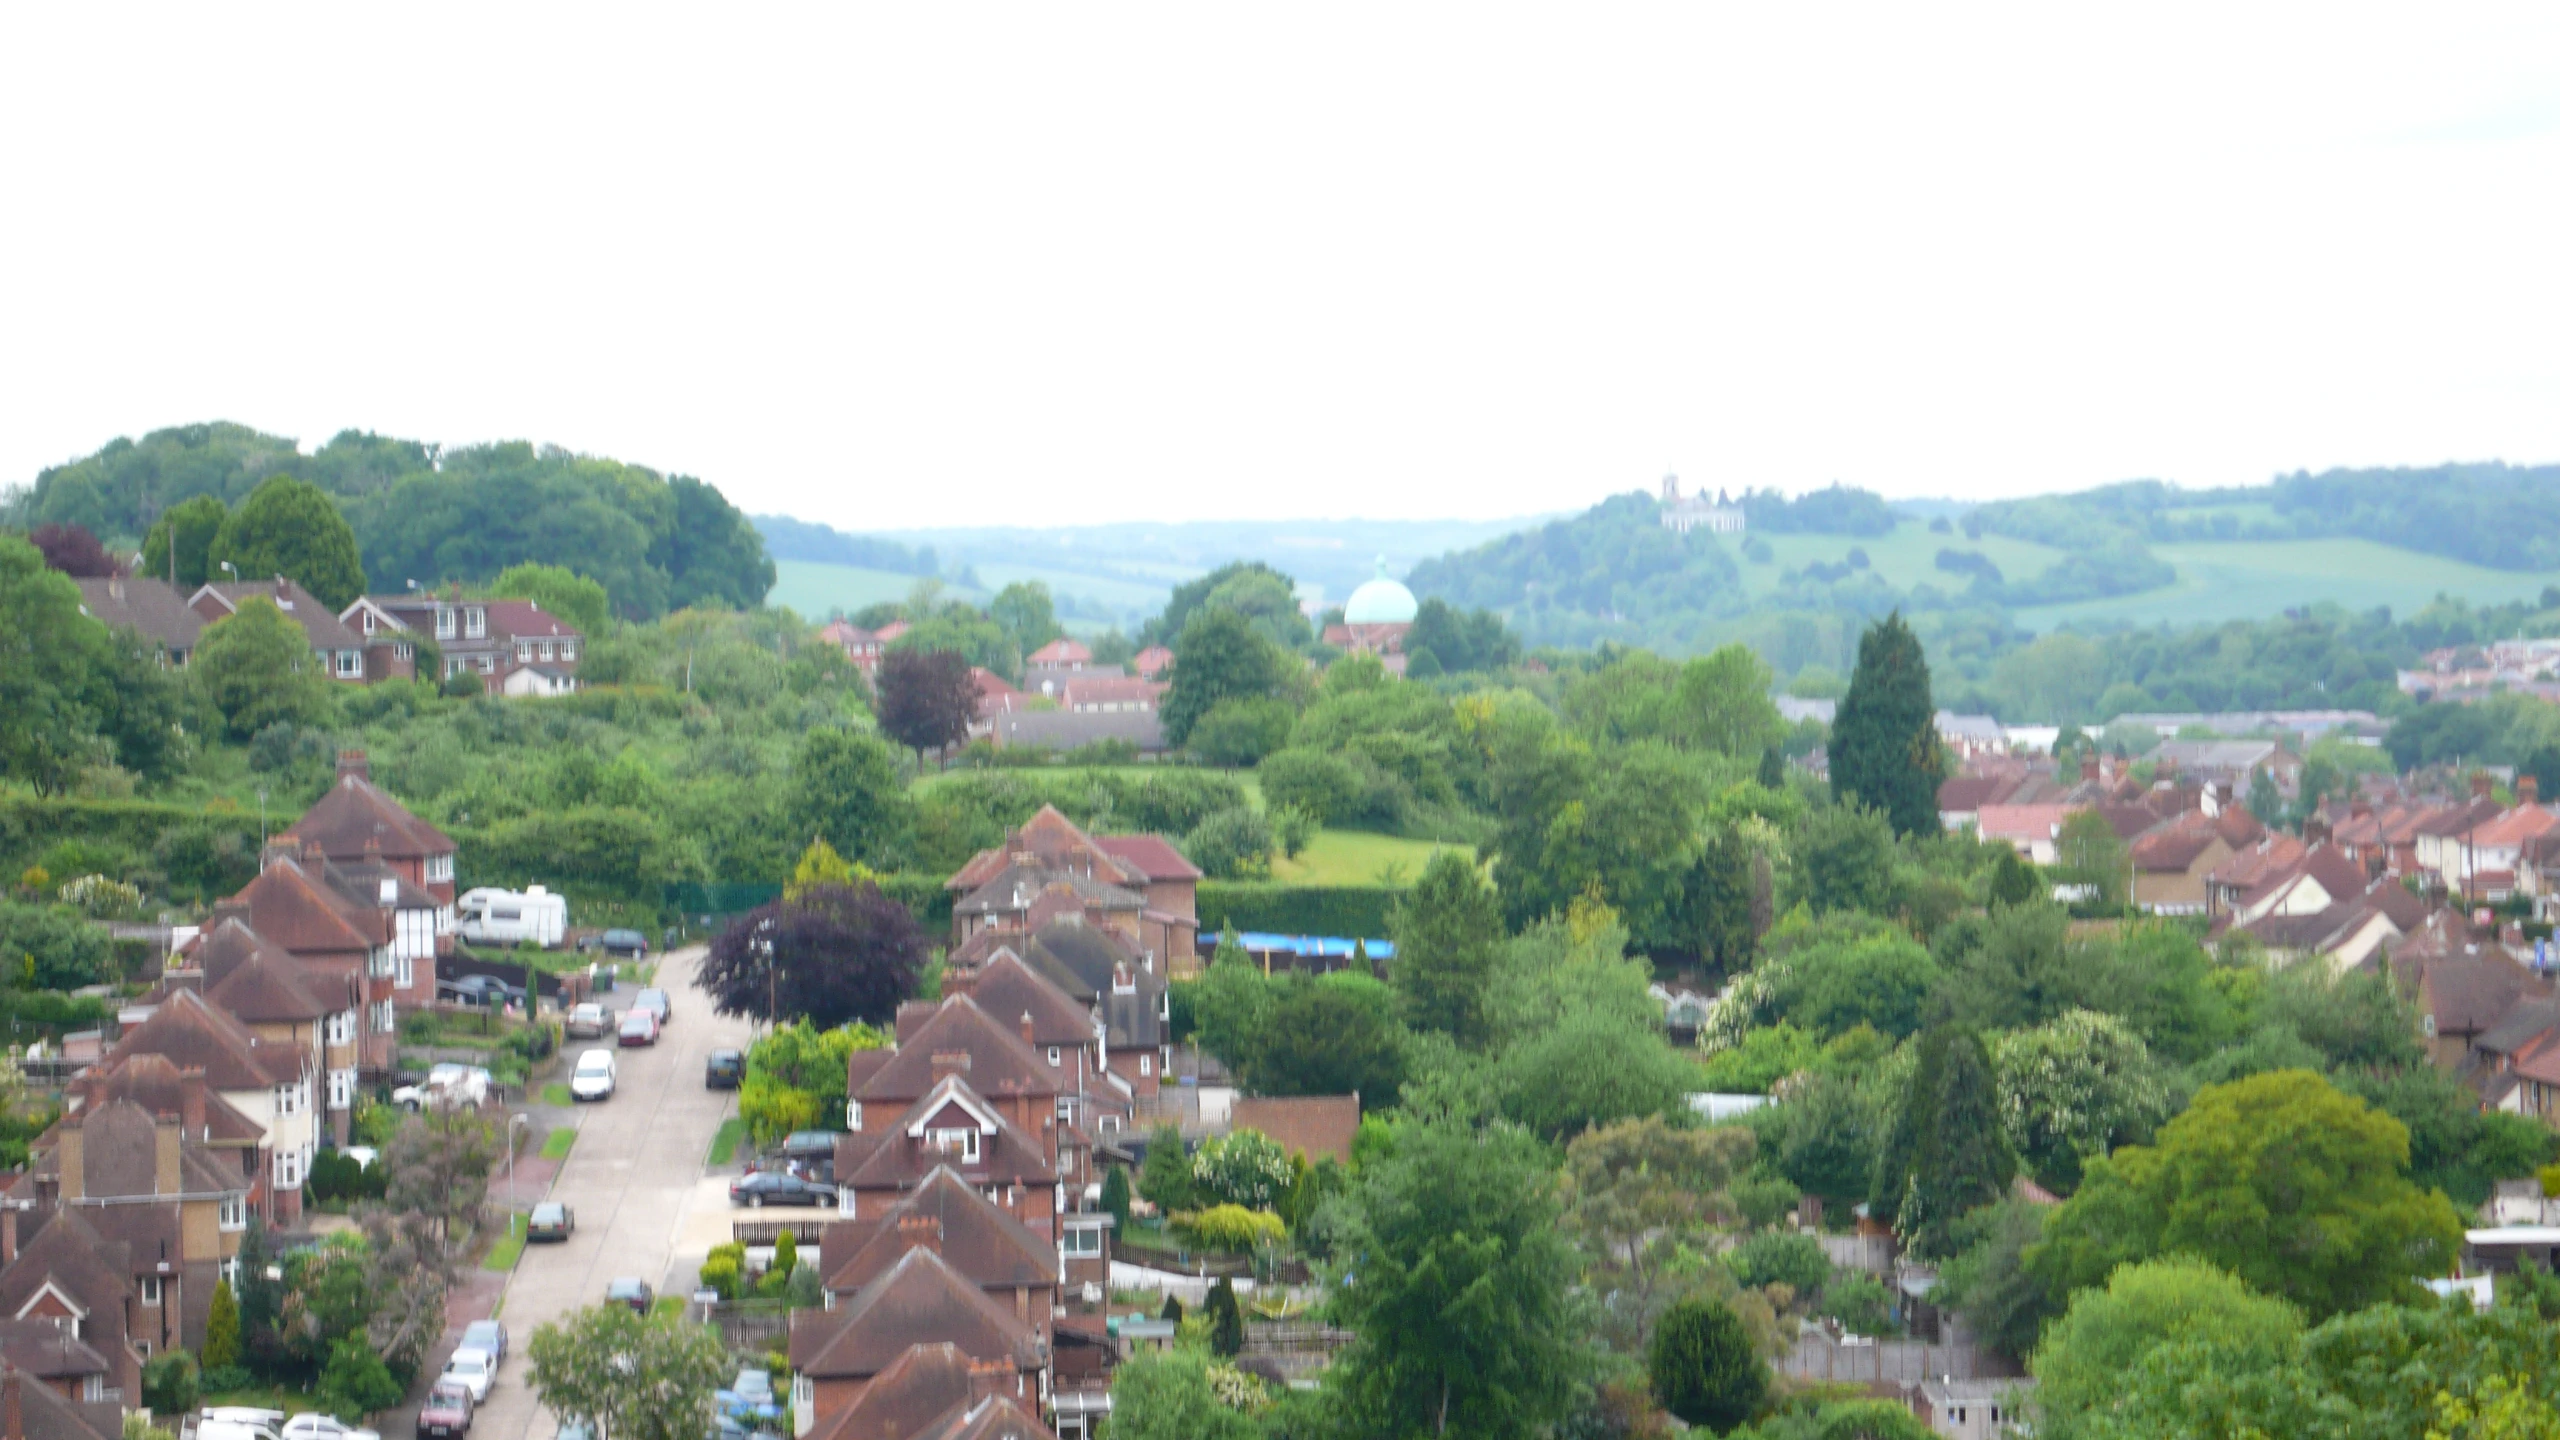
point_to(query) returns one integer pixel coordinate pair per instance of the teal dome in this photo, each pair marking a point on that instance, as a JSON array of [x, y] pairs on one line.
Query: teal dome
[[1380, 602]]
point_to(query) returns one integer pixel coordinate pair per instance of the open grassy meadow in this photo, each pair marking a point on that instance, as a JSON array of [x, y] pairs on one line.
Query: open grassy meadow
[[1354, 857], [1907, 557], [2253, 579]]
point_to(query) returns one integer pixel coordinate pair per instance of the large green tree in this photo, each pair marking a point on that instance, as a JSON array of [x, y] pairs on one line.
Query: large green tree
[[2209, 1317], [1333, 1036], [257, 667], [635, 1377], [1172, 1395], [564, 592], [1220, 657], [2280, 1178], [74, 693], [1024, 611], [845, 790], [191, 526], [1703, 1367], [1446, 929], [1884, 738], [1462, 1295], [1947, 1150], [291, 528]]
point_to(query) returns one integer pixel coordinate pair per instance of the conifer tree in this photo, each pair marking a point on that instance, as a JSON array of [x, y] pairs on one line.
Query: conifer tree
[[222, 1330], [1773, 769], [1884, 740], [1946, 1152], [1446, 930], [1226, 1319]]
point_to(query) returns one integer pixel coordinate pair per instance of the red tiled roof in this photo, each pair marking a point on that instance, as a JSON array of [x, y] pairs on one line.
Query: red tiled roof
[[919, 1300], [1313, 1125], [906, 1399], [1151, 856], [1008, 987], [1061, 651], [2175, 846], [993, 1249], [1152, 661], [355, 811]]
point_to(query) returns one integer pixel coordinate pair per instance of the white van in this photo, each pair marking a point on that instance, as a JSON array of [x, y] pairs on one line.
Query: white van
[[505, 917]]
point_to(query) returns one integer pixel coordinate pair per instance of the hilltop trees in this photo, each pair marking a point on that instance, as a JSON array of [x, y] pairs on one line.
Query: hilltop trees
[[291, 528], [75, 694], [257, 667], [845, 791], [191, 526], [1884, 740]]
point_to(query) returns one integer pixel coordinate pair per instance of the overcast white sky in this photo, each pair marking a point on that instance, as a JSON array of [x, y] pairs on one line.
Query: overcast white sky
[[914, 265]]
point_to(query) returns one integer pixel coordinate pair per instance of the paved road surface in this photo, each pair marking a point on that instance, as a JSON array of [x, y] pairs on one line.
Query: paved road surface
[[634, 1182]]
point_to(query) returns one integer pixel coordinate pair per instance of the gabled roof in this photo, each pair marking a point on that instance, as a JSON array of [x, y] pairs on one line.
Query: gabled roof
[[893, 1158], [45, 1414], [1061, 651], [1008, 987], [89, 1271], [1964, 794], [999, 1062], [2174, 847], [355, 811], [318, 621], [144, 604], [980, 1240], [2465, 818], [1019, 887], [2466, 994], [160, 1087], [1152, 661], [2021, 822], [2525, 822], [1151, 857], [1047, 840], [274, 989], [919, 1300], [193, 1035], [2523, 1022], [995, 1418], [1079, 959], [903, 1401], [47, 1350], [295, 910]]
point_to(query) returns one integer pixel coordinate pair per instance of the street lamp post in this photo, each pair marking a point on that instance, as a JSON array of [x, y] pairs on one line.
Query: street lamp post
[[512, 1122]]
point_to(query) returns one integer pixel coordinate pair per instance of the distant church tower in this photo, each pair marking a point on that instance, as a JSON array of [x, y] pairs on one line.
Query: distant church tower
[[1698, 512]]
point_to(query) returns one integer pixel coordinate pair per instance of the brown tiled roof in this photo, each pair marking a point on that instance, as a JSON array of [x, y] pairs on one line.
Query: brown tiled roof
[[904, 1400], [1061, 651], [1151, 856], [997, 1417], [2174, 846], [1312, 1125], [294, 910], [1152, 661], [2246, 868], [2126, 819], [1007, 988], [1088, 689], [1963, 794], [993, 1249], [318, 621], [42, 1348], [525, 620], [2468, 993], [45, 1414], [94, 1271], [1000, 1064], [1051, 839], [275, 990], [355, 810], [143, 604], [892, 1159], [193, 1035], [2393, 899], [1016, 887], [2460, 819], [919, 1300], [158, 1086]]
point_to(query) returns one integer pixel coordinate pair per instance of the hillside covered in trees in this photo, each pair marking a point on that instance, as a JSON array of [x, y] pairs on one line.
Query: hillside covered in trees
[[430, 514]]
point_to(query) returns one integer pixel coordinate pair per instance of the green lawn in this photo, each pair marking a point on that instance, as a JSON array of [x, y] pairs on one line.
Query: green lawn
[[503, 1254], [724, 1145], [669, 1307], [1354, 857], [555, 1146], [2254, 579], [556, 1093]]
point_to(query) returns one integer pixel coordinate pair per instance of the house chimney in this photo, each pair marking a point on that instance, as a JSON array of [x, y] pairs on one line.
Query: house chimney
[[229, 910], [2481, 784], [986, 1381], [2528, 790], [2315, 830], [191, 1111], [1026, 1027], [164, 1155], [920, 1232], [115, 587], [70, 1157], [13, 1415]]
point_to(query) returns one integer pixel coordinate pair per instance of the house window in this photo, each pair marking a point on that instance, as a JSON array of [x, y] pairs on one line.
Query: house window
[[93, 1388], [150, 1289], [350, 662], [488, 664], [524, 653], [231, 1267], [368, 622], [444, 623], [289, 1170], [546, 649], [439, 867], [1110, 1124], [476, 623], [233, 1215], [568, 650], [963, 1141], [342, 1028], [342, 1089], [1082, 1243], [384, 1019], [1053, 1057], [408, 972], [1146, 1064], [400, 650]]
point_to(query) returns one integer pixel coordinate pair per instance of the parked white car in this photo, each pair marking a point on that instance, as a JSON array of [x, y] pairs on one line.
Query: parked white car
[[473, 1370], [594, 1077], [239, 1422], [312, 1425], [449, 1086]]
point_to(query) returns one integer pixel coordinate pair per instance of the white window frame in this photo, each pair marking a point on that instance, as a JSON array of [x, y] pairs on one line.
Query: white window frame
[[444, 622], [853, 1116], [289, 1170], [475, 622], [232, 1215], [1081, 1242], [151, 1290], [342, 1089], [408, 976], [1053, 1057], [230, 1267], [350, 663], [966, 1137], [568, 651], [1146, 1065]]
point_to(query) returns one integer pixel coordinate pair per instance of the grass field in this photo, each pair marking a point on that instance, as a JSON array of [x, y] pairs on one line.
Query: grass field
[[555, 1146], [1353, 857], [724, 1145], [510, 1246], [813, 587], [558, 1094], [2253, 580], [1907, 557]]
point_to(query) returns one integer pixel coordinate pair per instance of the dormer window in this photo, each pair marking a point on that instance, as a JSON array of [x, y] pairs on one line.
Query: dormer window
[[1053, 1057], [963, 1143]]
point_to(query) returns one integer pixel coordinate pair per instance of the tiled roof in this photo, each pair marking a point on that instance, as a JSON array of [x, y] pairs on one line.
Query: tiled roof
[[2021, 822], [2523, 1021], [525, 620], [2174, 846], [144, 604], [42, 1348], [158, 1086], [2468, 993], [293, 909], [317, 620], [355, 810], [1089, 689], [44, 1413], [993, 1249], [70, 1254], [275, 990], [892, 1159], [904, 1400], [1051, 839], [1151, 856], [1061, 651], [1071, 729], [1000, 1063], [997, 1417], [2465, 818], [1963, 794], [1016, 886], [1152, 661], [1006, 987], [919, 1300], [193, 1035], [2516, 826], [1313, 1125]]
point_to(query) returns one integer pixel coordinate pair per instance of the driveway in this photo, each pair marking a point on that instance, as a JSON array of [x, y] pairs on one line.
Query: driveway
[[632, 1181]]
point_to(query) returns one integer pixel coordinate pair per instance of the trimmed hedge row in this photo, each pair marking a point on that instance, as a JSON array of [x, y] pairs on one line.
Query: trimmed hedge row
[[1357, 911]]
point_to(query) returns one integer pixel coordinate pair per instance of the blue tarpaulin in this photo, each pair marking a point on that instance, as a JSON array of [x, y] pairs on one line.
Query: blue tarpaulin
[[1336, 946]]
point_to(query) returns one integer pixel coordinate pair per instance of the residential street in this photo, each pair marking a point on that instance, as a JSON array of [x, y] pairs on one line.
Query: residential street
[[632, 1180]]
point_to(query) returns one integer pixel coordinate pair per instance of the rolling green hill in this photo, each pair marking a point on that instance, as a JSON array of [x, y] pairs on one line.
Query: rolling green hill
[[2253, 579]]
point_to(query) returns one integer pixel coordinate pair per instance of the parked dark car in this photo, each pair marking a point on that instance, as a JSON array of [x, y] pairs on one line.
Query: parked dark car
[[551, 1220], [639, 1027], [447, 1413], [624, 944], [725, 1070], [656, 1003], [634, 1293], [809, 1147], [479, 990], [773, 1187]]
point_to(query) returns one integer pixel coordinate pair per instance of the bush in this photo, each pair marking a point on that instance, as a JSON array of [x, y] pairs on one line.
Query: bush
[[1322, 785], [169, 1382], [1702, 1365], [1230, 1229], [1292, 828], [1764, 1200], [53, 947], [1246, 1168], [223, 1379], [723, 1269], [1232, 844], [1860, 1303], [1792, 1260], [1242, 731]]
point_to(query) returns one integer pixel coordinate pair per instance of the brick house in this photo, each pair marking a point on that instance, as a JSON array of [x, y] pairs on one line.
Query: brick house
[[1138, 885], [294, 906], [357, 823], [836, 1353], [947, 1214], [340, 649], [55, 1266], [178, 1204], [273, 1083], [2170, 865], [515, 646], [863, 647], [935, 1392]]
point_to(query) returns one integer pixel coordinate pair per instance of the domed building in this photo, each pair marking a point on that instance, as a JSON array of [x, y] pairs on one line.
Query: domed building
[[1375, 619]]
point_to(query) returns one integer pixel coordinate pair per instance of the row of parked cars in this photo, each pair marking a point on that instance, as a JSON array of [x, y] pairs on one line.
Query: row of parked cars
[[640, 1025]]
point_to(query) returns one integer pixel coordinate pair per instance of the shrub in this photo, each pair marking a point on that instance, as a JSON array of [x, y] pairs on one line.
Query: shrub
[[223, 1379], [1323, 785], [1292, 828], [1764, 1200], [1703, 1367], [1242, 731], [1860, 1303], [1793, 1260], [723, 1269], [1230, 1229], [1226, 1319], [169, 1382], [1246, 1168], [1232, 844]]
